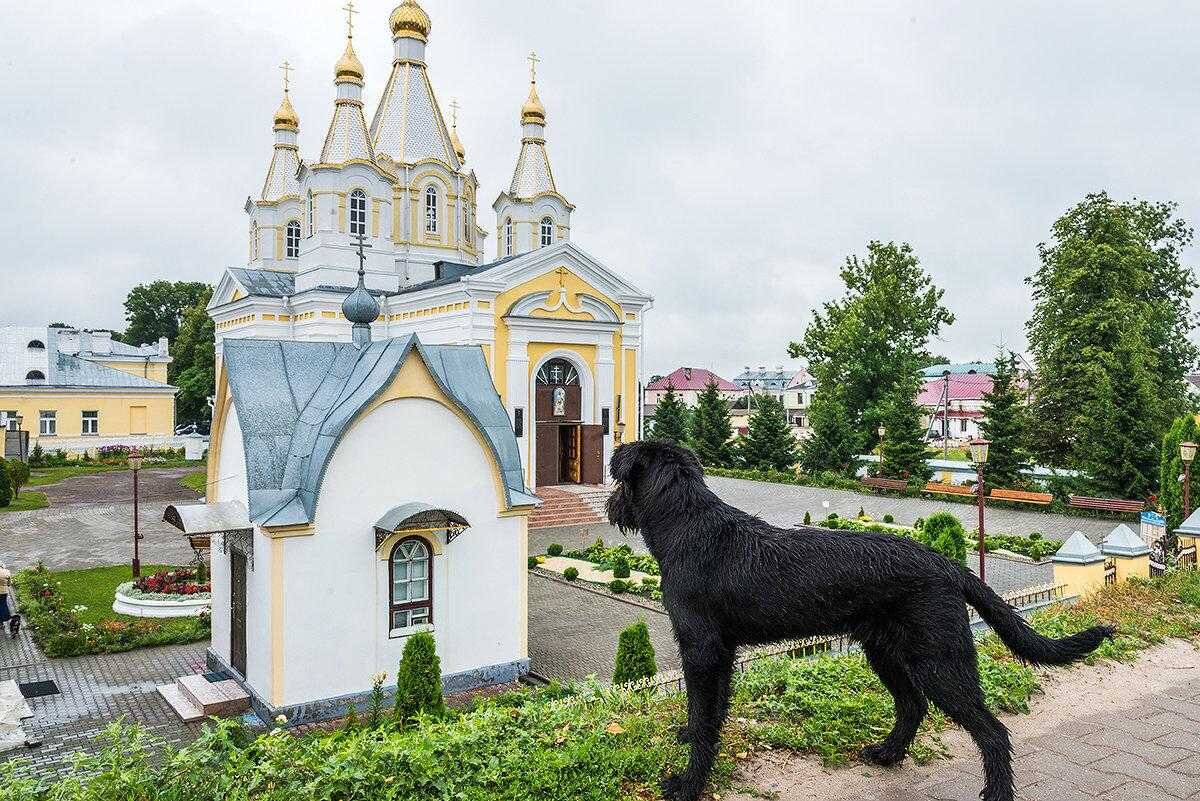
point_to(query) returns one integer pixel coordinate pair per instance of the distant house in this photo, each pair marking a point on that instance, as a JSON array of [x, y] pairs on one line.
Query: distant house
[[761, 380], [797, 398], [688, 383], [963, 368], [954, 405]]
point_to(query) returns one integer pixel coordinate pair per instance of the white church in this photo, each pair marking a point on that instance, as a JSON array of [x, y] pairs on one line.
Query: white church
[[389, 397]]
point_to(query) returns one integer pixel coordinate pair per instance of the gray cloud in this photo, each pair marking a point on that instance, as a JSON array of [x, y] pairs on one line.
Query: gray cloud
[[725, 157]]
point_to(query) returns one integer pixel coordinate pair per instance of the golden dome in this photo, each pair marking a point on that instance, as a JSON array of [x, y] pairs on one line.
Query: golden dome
[[286, 116], [348, 68], [458, 145], [533, 111], [409, 19]]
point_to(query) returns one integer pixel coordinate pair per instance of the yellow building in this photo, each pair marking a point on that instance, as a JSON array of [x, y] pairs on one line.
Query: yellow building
[[76, 390]]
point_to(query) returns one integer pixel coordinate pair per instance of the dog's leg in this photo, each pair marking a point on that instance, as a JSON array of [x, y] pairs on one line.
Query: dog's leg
[[911, 707], [953, 684], [724, 692], [703, 661]]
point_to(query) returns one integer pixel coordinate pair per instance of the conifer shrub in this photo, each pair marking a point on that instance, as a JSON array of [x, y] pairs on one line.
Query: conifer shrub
[[18, 476], [570, 574], [5, 487], [555, 549], [889, 519], [419, 678], [635, 654], [861, 513], [944, 533], [533, 562], [621, 567], [618, 586], [807, 519]]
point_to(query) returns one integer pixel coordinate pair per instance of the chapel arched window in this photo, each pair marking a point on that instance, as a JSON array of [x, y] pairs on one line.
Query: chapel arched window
[[508, 236], [411, 574], [466, 218], [358, 213], [547, 231], [431, 210], [558, 372], [36, 344], [292, 250], [35, 375]]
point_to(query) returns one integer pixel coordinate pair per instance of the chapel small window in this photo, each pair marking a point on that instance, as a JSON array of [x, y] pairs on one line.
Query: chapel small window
[[47, 423], [411, 570], [35, 375], [558, 372], [293, 240], [547, 231], [36, 344], [508, 236], [89, 424], [466, 217], [358, 213], [431, 210], [311, 214]]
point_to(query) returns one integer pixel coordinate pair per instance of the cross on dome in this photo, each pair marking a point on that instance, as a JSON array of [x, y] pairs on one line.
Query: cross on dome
[[533, 60], [350, 12], [287, 68]]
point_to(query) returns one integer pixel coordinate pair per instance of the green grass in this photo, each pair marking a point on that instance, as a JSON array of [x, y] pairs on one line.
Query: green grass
[[52, 475], [196, 482], [26, 501], [94, 588]]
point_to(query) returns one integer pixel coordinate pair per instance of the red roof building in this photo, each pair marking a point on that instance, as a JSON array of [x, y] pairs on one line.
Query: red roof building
[[692, 378]]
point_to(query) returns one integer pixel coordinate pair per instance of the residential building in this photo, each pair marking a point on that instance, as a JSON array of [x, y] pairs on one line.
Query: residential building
[[688, 383], [797, 398], [78, 390], [761, 380], [954, 405]]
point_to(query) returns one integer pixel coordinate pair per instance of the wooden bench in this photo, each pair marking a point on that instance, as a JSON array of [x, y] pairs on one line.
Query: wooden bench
[[885, 483], [1020, 496], [948, 489], [1105, 504]]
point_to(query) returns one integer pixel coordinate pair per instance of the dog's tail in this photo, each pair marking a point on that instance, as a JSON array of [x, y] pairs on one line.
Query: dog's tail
[[1020, 637]]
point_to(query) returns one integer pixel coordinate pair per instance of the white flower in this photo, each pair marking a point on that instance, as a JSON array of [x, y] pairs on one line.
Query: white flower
[[281, 719], [88, 627], [379, 678]]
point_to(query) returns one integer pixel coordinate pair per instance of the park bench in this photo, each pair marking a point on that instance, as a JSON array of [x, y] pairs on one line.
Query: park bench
[[885, 483], [1105, 504], [1020, 496], [948, 489]]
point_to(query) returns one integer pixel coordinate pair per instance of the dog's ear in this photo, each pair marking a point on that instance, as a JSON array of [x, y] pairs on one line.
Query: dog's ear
[[667, 466], [624, 461]]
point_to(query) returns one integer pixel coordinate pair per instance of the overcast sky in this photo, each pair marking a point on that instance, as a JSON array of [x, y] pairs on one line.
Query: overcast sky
[[724, 157]]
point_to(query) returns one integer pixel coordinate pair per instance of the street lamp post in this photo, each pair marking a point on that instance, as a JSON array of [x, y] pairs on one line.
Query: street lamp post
[[1187, 452], [979, 454], [135, 464]]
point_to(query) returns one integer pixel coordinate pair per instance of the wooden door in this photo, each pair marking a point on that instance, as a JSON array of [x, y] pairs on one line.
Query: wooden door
[[547, 454], [237, 611], [568, 454], [592, 454]]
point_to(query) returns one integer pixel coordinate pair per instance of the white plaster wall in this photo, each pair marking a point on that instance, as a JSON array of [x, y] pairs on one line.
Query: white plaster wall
[[335, 587]]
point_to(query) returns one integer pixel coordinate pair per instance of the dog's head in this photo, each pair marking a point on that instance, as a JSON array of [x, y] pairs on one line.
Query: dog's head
[[649, 476]]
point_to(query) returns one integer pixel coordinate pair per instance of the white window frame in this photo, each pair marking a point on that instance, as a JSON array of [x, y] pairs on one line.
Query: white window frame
[[508, 236], [311, 213], [291, 248], [431, 209], [410, 606], [89, 423], [358, 213], [546, 230], [50, 417]]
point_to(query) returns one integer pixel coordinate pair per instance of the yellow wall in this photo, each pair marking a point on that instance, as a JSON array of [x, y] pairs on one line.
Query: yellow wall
[[114, 409], [155, 371], [1129, 566], [1079, 579]]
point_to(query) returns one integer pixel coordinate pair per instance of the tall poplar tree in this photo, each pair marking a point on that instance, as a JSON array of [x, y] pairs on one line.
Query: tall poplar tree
[[711, 429], [670, 418], [769, 444], [1004, 426]]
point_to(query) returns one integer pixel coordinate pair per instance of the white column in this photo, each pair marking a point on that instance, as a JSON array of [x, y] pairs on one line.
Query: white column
[[517, 368], [605, 392]]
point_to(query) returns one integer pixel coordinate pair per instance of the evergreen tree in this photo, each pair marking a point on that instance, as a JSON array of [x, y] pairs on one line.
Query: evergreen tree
[[6, 494], [670, 419], [1170, 493], [943, 532], [18, 476], [770, 444], [835, 441], [903, 453], [710, 428], [635, 654], [419, 678], [1004, 426], [1110, 282], [193, 366]]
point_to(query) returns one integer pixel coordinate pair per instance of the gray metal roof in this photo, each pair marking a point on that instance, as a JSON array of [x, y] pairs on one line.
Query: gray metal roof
[[1079, 550], [415, 513], [1123, 542], [289, 436], [1191, 525], [207, 518], [59, 369], [265, 283]]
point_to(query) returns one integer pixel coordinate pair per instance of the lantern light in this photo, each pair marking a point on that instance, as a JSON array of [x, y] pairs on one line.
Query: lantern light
[[979, 450], [1187, 451], [135, 459]]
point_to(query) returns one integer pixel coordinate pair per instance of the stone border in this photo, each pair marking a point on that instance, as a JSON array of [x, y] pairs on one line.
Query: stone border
[[188, 606]]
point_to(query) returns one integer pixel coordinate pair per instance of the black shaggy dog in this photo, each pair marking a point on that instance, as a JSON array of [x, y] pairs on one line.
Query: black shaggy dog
[[729, 579]]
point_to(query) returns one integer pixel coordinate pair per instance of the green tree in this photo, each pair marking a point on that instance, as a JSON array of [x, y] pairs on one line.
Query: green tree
[[18, 476], [156, 309], [193, 368], [710, 428], [903, 453], [1004, 426], [670, 418], [769, 444], [635, 654], [1110, 281], [943, 532], [1170, 492], [419, 678], [874, 337], [835, 441], [6, 493]]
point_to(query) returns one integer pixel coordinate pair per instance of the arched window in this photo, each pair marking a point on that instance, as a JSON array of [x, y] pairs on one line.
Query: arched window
[[311, 214], [431, 210], [466, 217], [35, 375], [547, 231], [558, 372], [411, 573], [37, 344], [293, 240], [508, 236], [358, 213]]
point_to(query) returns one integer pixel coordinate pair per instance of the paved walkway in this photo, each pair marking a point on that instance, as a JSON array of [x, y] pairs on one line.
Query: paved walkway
[[1114, 732], [90, 522]]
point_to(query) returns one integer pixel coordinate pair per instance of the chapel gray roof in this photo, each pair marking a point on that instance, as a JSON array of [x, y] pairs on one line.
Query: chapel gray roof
[[265, 283], [295, 400]]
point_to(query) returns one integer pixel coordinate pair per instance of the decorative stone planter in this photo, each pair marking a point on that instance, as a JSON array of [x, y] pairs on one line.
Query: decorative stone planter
[[177, 606]]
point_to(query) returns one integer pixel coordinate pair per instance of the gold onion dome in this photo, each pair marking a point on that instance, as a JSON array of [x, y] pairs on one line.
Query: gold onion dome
[[533, 111], [285, 115], [409, 19], [348, 66], [458, 145]]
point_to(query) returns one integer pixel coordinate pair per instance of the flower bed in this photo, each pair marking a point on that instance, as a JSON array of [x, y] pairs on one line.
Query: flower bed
[[177, 581]]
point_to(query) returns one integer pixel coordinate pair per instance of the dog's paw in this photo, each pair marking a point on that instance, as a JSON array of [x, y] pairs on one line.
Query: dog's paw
[[671, 786], [683, 735], [878, 754]]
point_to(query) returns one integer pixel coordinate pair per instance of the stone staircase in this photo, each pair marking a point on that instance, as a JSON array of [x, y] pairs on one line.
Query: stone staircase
[[569, 506], [194, 697]]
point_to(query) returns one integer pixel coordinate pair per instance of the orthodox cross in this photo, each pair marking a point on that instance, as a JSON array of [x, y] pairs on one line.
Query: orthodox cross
[[286, 67], [562, 273], [533, 60], [362, 257], [454, 107], [350, 12]]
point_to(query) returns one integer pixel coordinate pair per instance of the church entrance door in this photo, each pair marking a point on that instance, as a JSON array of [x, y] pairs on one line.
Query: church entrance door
[[568, 452], [237, 611]]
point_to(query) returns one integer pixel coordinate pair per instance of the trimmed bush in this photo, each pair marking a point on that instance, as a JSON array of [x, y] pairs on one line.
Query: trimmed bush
[[18, 476], [807, 519], [889, 519], [570, 574], [555, 549], [532, 562], [621, 567], [944, 533], [6, 493], [618, 586], [635, 654], [419, 679]]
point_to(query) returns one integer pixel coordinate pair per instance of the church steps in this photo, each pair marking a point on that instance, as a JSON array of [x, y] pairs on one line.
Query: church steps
[[562, 508], [194, 697]]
